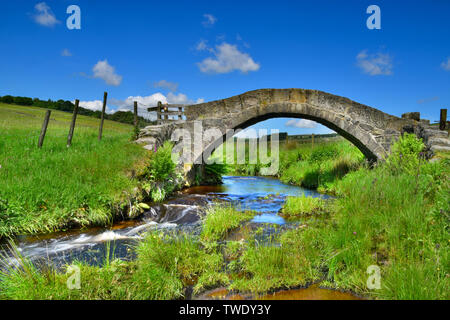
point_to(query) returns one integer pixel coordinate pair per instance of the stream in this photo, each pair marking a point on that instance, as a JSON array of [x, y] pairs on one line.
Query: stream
[[182, 212]]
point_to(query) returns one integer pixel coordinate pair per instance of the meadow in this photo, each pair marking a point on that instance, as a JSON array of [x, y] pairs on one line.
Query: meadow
[[393, 216], [56, 187]]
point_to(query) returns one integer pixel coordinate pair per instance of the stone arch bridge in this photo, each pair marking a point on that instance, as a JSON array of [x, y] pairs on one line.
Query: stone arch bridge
[[371, 130]]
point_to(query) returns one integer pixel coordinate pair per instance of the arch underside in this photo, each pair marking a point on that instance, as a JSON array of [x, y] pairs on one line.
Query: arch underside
[[370, 155]]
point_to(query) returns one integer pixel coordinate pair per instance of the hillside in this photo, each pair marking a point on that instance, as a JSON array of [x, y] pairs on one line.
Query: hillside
[[50, 188]]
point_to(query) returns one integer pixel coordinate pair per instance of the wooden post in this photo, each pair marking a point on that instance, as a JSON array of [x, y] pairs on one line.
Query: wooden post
[[443, 120], [135, 115], [72, 124], [100, 131], [44, 128], [166, 109], [312, 140], [158, 111]]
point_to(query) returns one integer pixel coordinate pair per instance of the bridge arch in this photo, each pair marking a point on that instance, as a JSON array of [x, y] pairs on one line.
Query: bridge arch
[[369, 129]]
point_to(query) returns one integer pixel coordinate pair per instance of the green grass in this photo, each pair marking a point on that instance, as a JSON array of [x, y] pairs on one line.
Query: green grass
[[319, 166], [395, 216], [48, 189], [297, 207], [221, 219], [165, 265]]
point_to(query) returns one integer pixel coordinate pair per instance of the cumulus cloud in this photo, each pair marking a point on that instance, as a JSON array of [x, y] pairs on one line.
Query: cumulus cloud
[[172, 86], [66, 53], [446, 64], [374, 64], [301, 123], [94, 105], [44, 16], [144, 102], [209, 20], [103, 70], [227, 58]]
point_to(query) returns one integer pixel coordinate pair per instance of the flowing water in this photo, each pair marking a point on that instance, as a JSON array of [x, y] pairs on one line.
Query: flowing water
[[183, 212]]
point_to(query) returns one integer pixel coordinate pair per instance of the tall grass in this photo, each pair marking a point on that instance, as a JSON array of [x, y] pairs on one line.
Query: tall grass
[[220, 219], [163, 268], [319, 166], [395, 216], [303, 206], [48, 189], [314, 167]]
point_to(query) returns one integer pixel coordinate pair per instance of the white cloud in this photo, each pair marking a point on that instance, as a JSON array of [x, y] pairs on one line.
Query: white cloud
[[145, 102], [209, 21], [172, 86], [202, 45], [66, 53], [44, 15], [301, 123], [374, 64], [106, 72], [446, 64], [426, 100], [94, 105], [227, 59], [181, 98]]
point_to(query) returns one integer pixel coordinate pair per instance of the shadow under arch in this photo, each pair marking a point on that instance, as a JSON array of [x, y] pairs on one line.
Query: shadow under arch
[[370, 156]]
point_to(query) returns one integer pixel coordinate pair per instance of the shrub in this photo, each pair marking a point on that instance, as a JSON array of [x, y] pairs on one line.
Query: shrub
[[161, 164], [405, 154]]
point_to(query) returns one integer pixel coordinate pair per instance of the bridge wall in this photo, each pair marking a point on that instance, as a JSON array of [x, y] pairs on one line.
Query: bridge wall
[[371, 130]]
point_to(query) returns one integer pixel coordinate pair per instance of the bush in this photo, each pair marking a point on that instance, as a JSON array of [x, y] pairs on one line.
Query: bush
[[7, 99], [405, 154], [23, 101], [161, 164]]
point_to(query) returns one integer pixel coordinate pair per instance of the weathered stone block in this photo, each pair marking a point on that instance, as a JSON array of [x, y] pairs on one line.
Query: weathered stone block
[[412, 116]]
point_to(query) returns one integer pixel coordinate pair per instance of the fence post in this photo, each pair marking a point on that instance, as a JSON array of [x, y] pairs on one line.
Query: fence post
[[158, 111], [443, 119], [312, 140], [100, 131], [44, 128], [72, 124], [166, 109], [135, 115]]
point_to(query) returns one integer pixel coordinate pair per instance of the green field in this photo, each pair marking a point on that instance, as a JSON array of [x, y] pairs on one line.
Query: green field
[[49, 189], [393, 216]]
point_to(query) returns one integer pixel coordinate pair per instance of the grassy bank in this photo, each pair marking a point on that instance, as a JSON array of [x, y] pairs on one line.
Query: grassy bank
[[317, 166], [394, 216], [48, 189], [165, 266]]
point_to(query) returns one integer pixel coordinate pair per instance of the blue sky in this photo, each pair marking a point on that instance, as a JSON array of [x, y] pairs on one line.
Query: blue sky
[[193, 51]]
